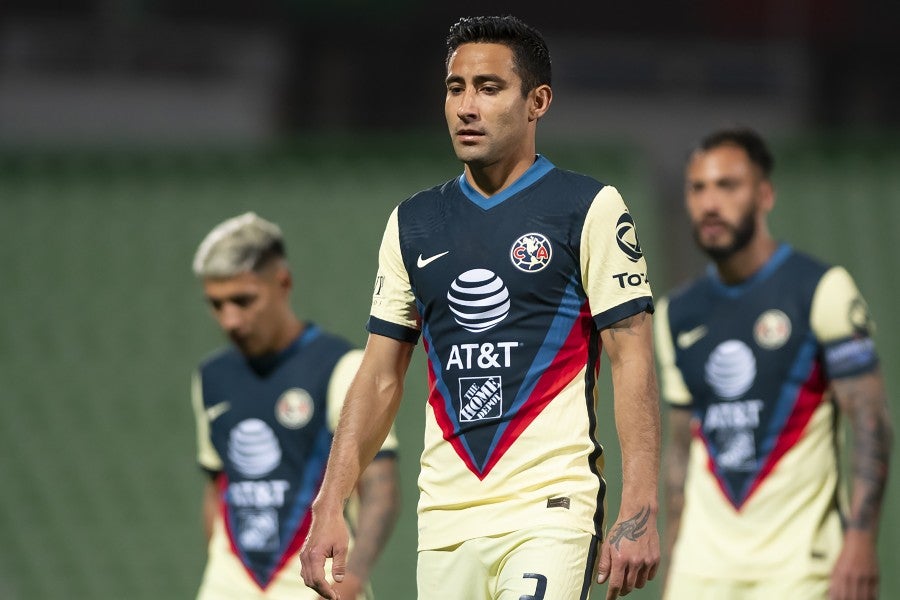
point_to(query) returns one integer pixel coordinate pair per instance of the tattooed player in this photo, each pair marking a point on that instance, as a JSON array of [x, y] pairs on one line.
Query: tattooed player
[[758, 358], [514, 274]]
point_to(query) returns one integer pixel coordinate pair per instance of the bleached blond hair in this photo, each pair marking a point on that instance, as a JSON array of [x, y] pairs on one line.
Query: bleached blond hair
[[238, 245]]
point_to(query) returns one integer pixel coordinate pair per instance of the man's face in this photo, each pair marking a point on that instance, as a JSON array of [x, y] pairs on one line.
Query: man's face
[[249, 308], [486, 113], [725, 197]]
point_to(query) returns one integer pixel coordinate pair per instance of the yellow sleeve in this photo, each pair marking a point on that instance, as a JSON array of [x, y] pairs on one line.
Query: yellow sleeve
[[838, 309], [392, 299], [206, 453], [613, 267], [672, 387], [840, 320], [343, 374]]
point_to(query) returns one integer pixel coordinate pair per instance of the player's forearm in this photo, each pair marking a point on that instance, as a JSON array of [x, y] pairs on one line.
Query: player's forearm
[[638, 426], [629, 345], [379, 496], [872, 440], [863, 400], [362, 428], [366, 417]]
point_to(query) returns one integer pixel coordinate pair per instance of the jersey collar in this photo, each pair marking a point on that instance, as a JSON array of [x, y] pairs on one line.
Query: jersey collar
[[538, 169]]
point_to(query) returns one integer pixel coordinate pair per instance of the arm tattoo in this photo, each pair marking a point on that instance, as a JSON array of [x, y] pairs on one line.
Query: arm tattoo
[[626, 325], [631, 529], [871, 455], [872, 437]]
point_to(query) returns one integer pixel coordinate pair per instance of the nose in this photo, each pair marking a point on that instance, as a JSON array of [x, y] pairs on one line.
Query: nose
[[230, 317], [466, 109], [704, 200]]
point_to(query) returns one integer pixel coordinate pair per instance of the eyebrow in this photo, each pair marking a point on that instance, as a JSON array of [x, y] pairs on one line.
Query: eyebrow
[[478, 79]]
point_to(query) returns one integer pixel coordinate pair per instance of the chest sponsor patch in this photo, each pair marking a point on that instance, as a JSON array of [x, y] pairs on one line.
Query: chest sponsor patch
[[480, 398]]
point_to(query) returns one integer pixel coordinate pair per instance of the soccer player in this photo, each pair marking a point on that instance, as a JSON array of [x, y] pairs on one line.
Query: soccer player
[[515, 274], [759, 357], [266, 408]]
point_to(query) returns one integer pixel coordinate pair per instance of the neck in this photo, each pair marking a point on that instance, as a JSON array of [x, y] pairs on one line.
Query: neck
[[291, 330], [496, 177], [744, 263]]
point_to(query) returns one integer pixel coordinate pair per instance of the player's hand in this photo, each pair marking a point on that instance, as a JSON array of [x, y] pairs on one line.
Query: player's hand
[[629, 556], [855, 573], [327, 538]]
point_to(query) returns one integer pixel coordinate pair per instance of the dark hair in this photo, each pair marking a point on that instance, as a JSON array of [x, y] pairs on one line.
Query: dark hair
[[531, 58], [751, 142]]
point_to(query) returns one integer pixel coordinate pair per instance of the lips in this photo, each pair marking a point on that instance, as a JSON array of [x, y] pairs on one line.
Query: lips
[[469, 134]]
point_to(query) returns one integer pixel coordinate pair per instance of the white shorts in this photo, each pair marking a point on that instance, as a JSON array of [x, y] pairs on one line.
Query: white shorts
[[544, 563]]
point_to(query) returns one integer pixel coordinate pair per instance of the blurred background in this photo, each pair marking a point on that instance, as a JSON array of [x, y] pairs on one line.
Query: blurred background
[[128, 128]]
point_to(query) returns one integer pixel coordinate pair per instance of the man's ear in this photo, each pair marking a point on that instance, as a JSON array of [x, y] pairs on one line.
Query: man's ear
[[766, 195], [284, 278], [539, 102]]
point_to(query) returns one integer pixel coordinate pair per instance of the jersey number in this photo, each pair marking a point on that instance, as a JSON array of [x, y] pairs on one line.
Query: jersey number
[[539, 590]]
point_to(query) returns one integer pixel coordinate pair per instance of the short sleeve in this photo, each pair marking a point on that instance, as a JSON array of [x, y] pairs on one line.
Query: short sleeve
[[672, 386], [613, 267], [394, 313], [207, 456], [840, 320]]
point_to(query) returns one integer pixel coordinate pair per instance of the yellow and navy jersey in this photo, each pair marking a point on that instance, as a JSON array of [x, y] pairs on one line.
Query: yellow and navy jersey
[[265, 426], [508, 294], [753, 363]]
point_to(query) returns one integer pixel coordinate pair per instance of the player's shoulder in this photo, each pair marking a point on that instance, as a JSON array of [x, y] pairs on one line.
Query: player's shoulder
[[800, 261], [575, 184], [424, 196], [687, 291], [221, 359], [326, 341]]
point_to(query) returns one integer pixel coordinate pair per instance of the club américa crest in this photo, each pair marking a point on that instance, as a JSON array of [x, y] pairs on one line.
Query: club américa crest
[[531, 252]]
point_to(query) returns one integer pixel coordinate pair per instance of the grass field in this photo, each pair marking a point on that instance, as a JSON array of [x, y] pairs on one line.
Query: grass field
[[103, 323]]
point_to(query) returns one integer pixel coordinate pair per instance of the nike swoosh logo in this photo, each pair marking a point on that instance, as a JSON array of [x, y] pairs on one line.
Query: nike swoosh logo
[[424, 262], [686, 339], [217, 410]]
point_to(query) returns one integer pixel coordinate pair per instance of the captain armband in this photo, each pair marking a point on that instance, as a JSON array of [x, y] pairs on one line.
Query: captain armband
[[851, 356]]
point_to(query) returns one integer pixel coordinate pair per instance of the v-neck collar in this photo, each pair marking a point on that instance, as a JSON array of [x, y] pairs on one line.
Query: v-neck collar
[[538, 169]]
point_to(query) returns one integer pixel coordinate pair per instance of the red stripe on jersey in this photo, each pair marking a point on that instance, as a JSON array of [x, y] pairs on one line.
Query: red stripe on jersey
[[808, 400], [436, 400], [568, 362], [710, 463]]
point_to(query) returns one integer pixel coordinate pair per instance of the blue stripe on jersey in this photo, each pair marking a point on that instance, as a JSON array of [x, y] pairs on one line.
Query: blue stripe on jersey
[[559, 330], [784, 405], [565, 318], [309, 486], [538, 169]]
